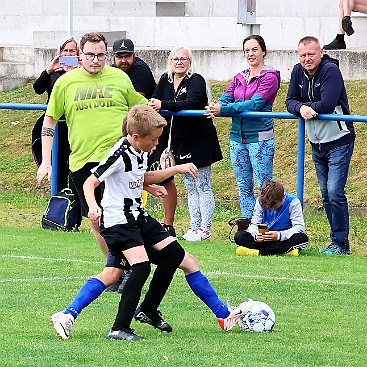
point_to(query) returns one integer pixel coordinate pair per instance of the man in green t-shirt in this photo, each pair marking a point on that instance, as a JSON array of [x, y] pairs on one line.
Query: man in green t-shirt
[[94, 98]]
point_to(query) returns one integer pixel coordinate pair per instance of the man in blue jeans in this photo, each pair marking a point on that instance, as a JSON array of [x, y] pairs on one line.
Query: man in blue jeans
[[317, 86]]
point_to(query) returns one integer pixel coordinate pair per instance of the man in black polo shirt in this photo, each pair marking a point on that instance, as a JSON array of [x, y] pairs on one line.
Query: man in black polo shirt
[[138, 71]]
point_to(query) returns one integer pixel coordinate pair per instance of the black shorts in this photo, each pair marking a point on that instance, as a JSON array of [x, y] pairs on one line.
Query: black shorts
[[144, 231], [78, 178], [120, 262]]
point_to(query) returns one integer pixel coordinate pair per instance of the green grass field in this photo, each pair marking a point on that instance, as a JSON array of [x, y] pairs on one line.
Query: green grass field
[[319, 302]]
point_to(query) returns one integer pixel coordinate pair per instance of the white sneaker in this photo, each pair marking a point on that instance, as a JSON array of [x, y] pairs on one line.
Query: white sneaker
[[63, 325], [235, 313], [203, 235], [190, 235], [56, 316]]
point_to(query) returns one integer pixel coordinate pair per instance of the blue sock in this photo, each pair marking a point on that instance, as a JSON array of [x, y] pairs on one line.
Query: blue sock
[[200, 285], [90, 291]]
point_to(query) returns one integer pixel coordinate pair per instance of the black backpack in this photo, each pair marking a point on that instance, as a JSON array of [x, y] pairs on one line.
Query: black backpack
[[61, 212]]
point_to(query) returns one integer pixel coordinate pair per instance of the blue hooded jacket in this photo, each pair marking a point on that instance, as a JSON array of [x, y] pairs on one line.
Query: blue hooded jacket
[[325, 93]]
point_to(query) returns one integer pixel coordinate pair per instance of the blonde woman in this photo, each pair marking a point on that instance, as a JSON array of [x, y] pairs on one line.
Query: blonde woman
[[193, 139]]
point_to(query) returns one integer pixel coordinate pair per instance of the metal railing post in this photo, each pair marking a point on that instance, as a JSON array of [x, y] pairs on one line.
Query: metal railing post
[[301, 160]]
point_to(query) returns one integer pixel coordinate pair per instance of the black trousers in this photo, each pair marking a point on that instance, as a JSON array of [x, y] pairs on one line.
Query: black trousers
[[245, 239]]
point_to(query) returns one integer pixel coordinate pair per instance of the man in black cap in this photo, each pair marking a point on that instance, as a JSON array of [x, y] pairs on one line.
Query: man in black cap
[[138, 71]]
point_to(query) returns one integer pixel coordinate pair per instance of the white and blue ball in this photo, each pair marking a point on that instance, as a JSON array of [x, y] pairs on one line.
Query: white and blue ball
[[260, 318]]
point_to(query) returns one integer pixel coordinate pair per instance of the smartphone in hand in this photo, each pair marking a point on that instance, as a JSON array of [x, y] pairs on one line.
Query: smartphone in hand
[[263, 228], [68, 60]]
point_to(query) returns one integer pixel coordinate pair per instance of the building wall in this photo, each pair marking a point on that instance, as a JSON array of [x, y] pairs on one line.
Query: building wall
[[210, 23], [31, 30]]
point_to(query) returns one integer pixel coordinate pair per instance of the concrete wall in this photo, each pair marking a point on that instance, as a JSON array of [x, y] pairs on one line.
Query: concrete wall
[[285, 22], [214, 64], [220, 64], [205, 24], [31, 29]]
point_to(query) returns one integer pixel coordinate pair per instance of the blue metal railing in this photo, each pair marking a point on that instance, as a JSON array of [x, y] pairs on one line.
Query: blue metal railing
[[277, 115], [54, 161]]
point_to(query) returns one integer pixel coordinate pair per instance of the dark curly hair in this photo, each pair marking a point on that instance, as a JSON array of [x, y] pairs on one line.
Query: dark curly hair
[[271, 194]]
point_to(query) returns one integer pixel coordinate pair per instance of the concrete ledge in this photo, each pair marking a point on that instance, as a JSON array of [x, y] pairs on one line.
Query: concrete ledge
[[356, 14], [52, 38], [213, 64], [10, 70], [18, 54], [223, 64], [6, 84]]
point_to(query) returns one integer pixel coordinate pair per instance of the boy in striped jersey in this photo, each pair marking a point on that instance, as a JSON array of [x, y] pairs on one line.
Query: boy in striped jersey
[[135, 238]]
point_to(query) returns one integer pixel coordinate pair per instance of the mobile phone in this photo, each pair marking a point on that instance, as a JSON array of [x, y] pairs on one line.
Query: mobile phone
[[263, 228], [68, 60]]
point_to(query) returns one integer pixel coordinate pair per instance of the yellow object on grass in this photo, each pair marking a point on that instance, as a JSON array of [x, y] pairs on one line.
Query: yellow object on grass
[[144, 196], [244, 251], [294, 252]]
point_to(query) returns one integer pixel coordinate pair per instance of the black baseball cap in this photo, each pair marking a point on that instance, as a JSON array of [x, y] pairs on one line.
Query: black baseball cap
[[124, 45]]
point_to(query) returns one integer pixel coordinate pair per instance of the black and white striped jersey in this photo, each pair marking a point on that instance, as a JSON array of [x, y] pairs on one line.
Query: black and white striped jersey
[[122, 172]]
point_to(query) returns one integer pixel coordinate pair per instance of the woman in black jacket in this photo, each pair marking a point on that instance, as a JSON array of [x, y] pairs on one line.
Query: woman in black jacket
[[193, 138], [45, 83]]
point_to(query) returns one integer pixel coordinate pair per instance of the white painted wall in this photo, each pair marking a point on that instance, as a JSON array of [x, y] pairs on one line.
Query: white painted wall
[[31, 29], [207, 24], [285, 22]]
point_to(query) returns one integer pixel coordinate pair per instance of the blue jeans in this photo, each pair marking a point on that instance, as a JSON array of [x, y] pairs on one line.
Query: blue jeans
[[332, 172], [248, 160]]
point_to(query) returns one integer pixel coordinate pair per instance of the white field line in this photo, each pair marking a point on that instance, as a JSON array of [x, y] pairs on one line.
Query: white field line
[[43, 279], [50, 259], [288, 279], [307, 280]]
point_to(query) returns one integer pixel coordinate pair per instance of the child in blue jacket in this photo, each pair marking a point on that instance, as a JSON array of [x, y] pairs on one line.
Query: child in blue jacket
[[282, 213]]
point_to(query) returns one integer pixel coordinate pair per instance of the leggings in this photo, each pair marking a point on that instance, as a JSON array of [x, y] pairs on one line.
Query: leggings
[[200, 199]]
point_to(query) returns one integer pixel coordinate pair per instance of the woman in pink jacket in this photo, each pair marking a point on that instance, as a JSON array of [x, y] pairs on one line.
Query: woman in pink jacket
[[252, 142]]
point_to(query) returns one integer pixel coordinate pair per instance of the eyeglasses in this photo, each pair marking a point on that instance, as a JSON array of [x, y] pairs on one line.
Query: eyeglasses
[[180, 59], [90, 56], [121, 56]]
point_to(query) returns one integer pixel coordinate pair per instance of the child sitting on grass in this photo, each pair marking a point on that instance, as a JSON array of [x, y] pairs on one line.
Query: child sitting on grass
[[282, 213]]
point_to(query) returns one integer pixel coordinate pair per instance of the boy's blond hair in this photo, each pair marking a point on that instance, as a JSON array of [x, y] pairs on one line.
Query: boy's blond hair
[[271, 194], [142, 120]]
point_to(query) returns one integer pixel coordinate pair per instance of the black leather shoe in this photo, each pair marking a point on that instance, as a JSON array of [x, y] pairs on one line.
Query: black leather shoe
[[152, 319], [123, 334], [115, 286], [347, 26], [335, 45]]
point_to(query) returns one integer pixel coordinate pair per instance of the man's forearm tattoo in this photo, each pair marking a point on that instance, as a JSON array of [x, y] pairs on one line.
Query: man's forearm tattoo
[[47, 131]]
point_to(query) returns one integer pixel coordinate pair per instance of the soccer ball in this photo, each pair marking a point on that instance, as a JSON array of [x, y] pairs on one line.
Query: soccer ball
[[260, 318]]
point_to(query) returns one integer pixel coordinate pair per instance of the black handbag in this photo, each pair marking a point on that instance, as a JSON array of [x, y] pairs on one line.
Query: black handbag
[[61, 212]]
